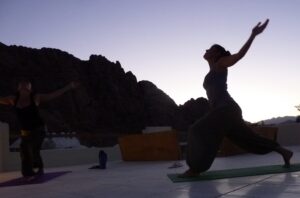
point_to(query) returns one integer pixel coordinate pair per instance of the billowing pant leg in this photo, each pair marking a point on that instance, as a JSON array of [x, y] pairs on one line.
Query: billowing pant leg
[[243, 136], [205, 137], [38, 162], [37, 145], [26, 152], [201, 151]]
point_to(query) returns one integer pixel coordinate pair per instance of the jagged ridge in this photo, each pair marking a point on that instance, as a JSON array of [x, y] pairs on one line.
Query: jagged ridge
[[108, 103]]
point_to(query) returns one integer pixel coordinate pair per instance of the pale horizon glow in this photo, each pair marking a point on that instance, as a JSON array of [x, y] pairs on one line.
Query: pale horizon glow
[[164, 41]]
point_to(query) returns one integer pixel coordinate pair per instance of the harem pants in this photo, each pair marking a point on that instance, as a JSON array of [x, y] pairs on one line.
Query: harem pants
[[206, 135], [30, 151]]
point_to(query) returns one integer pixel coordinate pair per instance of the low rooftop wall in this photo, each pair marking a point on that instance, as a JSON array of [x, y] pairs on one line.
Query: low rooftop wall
[[52, 158], [289, 134]]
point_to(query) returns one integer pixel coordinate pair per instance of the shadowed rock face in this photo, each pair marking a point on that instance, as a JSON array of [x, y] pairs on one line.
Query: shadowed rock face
[[109, 101]]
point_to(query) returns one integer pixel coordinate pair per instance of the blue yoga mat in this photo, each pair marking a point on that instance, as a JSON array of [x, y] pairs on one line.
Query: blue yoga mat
[[241, 172], [37, 180]]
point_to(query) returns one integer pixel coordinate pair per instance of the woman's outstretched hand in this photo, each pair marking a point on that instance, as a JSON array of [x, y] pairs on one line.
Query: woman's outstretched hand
[[259, 28]]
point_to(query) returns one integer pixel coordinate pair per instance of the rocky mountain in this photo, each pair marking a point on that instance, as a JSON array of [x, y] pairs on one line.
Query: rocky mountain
[[109, 101], [280, 120]]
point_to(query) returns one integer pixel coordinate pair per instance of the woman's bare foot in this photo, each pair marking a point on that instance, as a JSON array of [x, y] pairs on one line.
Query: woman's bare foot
[[287, 155], [189, 173]]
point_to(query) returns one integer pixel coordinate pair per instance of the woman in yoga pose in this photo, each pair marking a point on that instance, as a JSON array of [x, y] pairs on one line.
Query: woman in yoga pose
[[32, 132], [225, 116]]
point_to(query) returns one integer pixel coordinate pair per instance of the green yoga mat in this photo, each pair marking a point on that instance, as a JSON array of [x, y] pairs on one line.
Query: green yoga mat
[[240, 172]]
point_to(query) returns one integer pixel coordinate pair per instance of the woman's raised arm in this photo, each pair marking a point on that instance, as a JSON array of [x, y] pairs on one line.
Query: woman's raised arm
[[40, 98], [228, 61]]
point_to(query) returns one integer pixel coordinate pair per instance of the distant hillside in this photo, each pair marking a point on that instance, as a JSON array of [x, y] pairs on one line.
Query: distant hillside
[[280, 120], [108, 103]]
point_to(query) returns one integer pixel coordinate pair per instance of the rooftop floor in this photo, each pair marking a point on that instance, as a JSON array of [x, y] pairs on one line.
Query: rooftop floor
[[149, 179]]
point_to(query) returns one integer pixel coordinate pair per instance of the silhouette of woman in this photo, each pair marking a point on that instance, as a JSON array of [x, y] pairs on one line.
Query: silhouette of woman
[[26, 104], [225, 116]]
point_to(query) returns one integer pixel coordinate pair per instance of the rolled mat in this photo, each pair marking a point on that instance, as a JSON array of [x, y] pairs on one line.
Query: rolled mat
[[240, 172]]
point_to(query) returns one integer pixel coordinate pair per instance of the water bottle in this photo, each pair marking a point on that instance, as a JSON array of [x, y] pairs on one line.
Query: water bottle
[[102, 159]]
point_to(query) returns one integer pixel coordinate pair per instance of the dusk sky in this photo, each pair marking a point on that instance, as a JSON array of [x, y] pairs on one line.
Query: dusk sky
[[163, 41]]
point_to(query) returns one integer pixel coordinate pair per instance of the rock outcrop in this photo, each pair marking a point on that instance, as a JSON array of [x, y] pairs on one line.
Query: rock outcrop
[[108, 102]]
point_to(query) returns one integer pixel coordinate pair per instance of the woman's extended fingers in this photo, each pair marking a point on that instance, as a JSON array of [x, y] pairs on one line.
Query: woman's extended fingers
[[259, 28], [264, 25]]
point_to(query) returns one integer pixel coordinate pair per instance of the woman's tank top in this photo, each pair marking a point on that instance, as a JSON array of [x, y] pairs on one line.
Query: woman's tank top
[[215, 84], [29, 116]]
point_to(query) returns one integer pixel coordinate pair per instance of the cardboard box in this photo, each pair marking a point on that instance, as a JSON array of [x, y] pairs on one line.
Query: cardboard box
[[150, 147]]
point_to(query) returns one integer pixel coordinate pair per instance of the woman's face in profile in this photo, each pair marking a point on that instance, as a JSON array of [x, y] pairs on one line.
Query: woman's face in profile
[[210, 53], [24, 86]]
